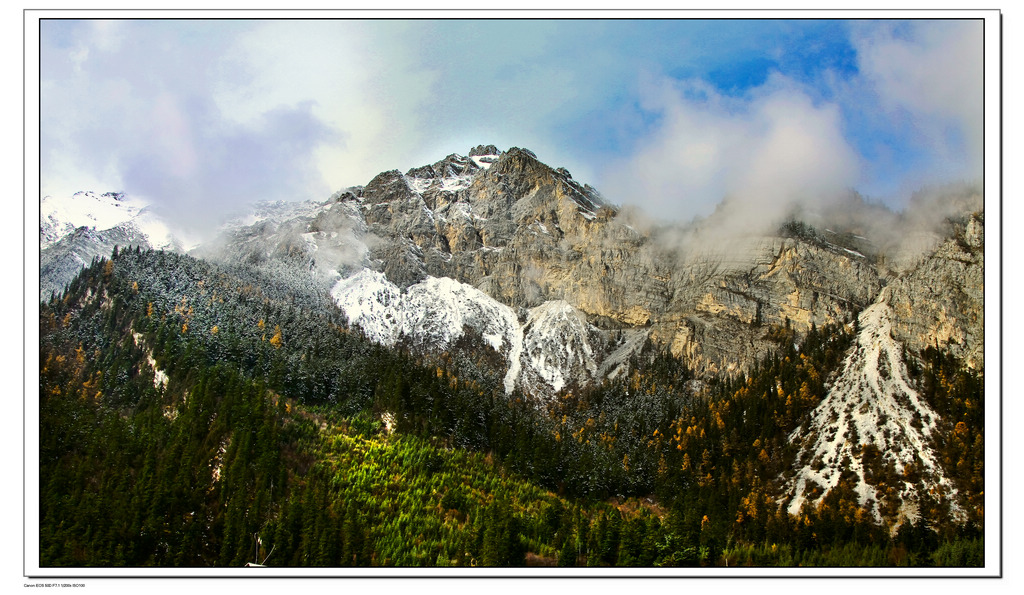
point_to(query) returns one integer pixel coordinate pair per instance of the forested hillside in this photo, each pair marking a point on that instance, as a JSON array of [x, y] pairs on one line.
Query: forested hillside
[[186, 407]]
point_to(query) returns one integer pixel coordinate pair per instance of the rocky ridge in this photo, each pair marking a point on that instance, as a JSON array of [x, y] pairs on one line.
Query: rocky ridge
[[525, 234]]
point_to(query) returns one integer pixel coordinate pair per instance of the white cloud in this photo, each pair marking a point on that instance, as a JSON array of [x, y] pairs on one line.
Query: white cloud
[[128, 97], [797, 151], [765, 153], [910, 116], [929, 75], [133, 108], [358, 76]]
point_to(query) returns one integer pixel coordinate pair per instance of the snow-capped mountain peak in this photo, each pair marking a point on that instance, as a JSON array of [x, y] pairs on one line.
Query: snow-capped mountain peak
[[59, 217], [74, 230]]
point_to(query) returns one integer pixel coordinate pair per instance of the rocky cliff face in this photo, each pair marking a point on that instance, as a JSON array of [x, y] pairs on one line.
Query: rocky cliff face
[[530, 236], [526, 234], [940, 302]]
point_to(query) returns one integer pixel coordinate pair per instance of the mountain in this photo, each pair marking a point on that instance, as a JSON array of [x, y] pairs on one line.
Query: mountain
[[74, 230], [566, 289], [831, 358], [525, 234]]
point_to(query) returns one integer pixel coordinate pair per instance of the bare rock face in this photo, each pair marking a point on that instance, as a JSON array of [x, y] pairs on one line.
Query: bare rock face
[[725, 302], [941, 302], [527, 235]]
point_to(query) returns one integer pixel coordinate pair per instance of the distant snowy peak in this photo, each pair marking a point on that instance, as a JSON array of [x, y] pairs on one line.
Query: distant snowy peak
[[484, 155], [484, 161], [485, 151], [74, 230], [452, 173], [59, 217], [872, 422]]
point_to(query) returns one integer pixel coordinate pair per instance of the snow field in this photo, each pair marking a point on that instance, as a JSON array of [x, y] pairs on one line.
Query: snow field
[[551, 347], [871, 402]]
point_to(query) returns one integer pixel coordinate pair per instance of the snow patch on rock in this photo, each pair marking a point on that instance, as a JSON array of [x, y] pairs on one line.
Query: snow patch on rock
[[872, 403], [553, 347], [557, 347], [434, 313]]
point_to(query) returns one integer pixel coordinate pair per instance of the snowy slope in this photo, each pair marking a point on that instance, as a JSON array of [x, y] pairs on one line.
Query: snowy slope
[[554, 347], [440, 307], [434, 313], [372, 303], [873, 403], [74, 230], [557, 347], [59, 217], [438, 310]]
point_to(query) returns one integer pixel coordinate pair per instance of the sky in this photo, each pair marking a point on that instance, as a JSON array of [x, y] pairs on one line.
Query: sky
[[672, 116]]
